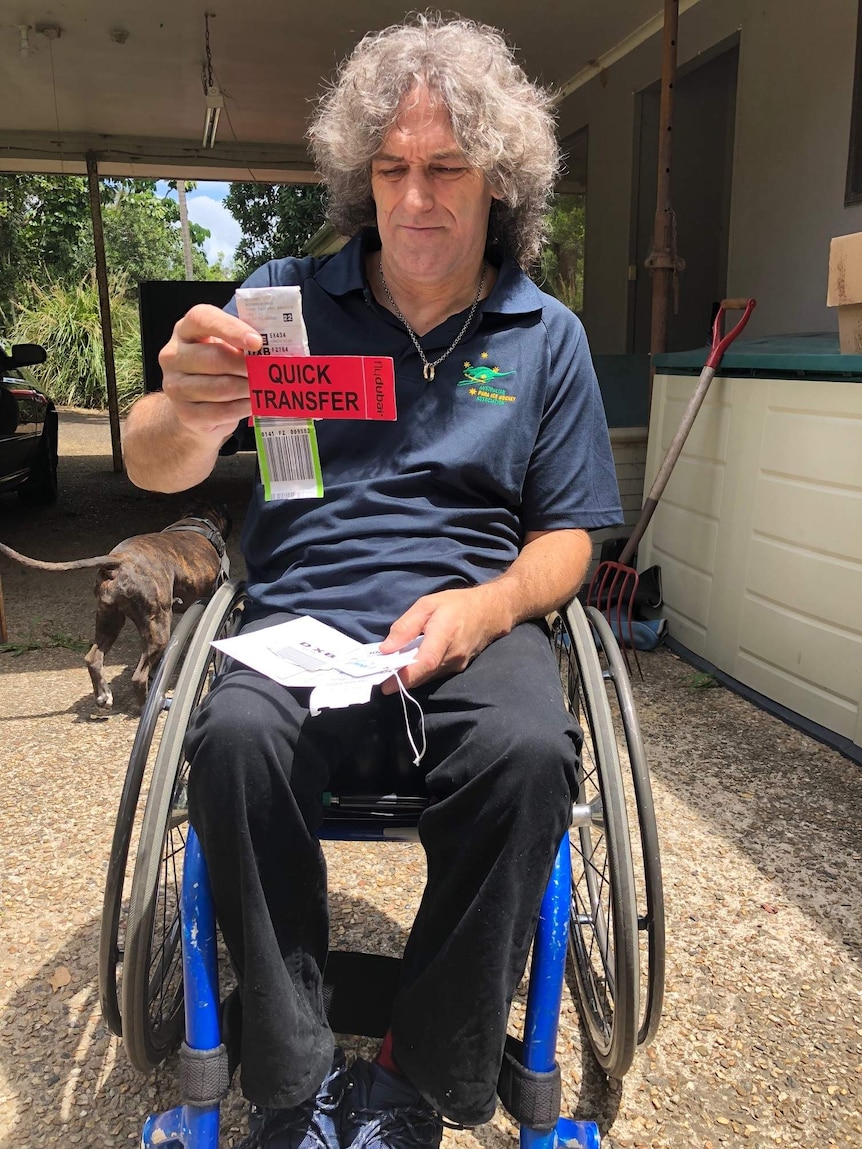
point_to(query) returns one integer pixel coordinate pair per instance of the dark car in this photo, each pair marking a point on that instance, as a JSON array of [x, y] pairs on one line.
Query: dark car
[[28, 428]]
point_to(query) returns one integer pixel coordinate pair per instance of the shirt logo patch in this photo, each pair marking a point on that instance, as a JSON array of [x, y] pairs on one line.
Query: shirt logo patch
[[482, 383]]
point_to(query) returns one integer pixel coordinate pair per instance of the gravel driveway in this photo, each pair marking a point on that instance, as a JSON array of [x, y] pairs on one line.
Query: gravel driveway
[[761, 1042]]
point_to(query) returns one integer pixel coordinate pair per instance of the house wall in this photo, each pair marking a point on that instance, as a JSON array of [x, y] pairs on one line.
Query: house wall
[[759, 538], [794, 94]]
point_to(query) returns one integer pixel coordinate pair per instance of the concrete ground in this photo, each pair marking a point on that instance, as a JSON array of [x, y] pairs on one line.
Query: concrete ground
[[761, 1040]]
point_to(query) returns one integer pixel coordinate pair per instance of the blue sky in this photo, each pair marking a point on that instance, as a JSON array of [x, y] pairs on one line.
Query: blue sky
[[206, 208]]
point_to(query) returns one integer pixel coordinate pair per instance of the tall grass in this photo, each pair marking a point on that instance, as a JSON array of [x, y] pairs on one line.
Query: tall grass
[[64, 318]]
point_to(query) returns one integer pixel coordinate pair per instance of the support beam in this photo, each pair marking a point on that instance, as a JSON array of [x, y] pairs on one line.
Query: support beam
[[185, 230], [663, 261], [617, 52], [148, 157], [104, 308]]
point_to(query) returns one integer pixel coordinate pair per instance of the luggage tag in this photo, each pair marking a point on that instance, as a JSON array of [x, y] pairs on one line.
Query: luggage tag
[[289, 389], [286, 450]]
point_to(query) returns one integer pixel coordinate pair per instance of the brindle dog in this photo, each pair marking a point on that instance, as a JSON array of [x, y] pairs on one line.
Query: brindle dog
[[146, 578]]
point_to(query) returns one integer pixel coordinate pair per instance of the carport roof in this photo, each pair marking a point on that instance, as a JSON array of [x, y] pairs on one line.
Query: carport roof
[[124, 80]]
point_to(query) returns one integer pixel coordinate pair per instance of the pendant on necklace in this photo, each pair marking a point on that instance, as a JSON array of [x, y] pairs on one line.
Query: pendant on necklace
[[428, 372]]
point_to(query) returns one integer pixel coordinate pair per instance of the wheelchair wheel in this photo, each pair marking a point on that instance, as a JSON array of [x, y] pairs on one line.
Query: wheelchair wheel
[[127, 827], [603, 936], [645, 847], [152, 982]]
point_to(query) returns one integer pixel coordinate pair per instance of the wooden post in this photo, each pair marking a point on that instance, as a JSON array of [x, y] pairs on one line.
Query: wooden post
[[184, 229], [663, 261], [104, 308]]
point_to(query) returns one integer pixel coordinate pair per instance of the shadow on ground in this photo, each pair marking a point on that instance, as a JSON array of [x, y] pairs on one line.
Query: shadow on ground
[[69, 1077], [68, 1081]]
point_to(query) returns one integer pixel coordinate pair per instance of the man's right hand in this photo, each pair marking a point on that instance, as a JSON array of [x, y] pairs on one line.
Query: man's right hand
[[204, 370], [172, 437]]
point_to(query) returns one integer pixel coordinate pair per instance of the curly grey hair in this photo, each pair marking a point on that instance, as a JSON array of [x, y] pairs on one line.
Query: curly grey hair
[[501, 120]]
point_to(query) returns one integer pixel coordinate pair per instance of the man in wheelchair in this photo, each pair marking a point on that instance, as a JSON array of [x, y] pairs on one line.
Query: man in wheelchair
[[465, 522]]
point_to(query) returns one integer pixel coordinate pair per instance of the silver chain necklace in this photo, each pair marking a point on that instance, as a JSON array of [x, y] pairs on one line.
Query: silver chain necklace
[[429, 368]]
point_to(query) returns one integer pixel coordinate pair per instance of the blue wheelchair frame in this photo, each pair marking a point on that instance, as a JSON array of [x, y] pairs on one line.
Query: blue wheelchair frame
[[190, 1126], [594, 913]]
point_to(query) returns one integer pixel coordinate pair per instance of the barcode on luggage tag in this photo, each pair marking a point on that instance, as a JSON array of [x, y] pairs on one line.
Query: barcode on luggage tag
[[289, 462]]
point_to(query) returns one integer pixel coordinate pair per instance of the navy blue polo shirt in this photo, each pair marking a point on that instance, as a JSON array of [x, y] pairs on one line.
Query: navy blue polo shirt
[[509, 437]]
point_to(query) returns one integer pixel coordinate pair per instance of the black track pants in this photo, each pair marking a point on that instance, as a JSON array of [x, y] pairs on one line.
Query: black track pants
[[500, 768]]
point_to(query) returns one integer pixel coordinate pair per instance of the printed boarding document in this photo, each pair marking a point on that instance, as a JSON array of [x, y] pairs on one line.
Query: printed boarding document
[[305, 652]]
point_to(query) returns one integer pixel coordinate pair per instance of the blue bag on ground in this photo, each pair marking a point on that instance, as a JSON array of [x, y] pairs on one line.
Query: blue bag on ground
[[645, 634]]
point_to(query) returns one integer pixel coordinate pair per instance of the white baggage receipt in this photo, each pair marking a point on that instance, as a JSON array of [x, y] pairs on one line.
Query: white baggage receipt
[[276, 312]]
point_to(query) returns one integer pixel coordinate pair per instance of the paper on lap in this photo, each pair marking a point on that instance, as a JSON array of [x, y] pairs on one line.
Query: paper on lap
[[307, 653]]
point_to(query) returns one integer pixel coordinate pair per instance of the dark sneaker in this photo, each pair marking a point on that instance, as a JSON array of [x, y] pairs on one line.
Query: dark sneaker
[[315, 1124], [385, 1111]]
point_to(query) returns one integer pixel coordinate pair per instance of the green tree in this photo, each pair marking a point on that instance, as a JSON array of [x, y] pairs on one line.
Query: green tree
[[562, 259], [222, 269], [64, 319], [48, 291], [142, 234], [46, 234], [42, 219], [276, 220], [12, 214]]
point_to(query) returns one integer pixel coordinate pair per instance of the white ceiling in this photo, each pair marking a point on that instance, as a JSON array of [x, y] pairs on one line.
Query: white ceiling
[[124, 80]]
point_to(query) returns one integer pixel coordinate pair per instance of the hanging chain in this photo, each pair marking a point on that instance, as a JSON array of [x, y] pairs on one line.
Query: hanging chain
[[428, 369], [208, 75]]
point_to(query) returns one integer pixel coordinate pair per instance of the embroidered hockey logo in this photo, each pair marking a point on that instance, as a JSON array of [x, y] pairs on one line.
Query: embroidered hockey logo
[[482, 383]]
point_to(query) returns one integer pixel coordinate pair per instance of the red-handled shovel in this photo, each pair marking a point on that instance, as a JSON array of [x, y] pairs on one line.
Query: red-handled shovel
[[614, 583]]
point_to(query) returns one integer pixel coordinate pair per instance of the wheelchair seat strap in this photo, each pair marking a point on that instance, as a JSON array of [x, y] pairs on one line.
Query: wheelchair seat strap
[[532, 1098]]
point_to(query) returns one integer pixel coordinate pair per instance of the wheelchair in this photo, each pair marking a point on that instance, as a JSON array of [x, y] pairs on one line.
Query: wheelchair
[[601, 924]]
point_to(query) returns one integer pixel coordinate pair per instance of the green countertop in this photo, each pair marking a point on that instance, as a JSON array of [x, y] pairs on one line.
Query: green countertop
[[808, 356]]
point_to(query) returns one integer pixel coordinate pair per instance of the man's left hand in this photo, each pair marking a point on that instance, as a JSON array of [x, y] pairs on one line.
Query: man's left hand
[[456, 624]]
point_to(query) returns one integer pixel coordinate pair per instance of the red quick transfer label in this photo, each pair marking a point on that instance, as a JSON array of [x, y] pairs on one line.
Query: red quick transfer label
[[322, 387]]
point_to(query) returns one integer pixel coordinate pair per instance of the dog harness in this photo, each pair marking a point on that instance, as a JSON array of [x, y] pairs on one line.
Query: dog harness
[[204, 527]]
